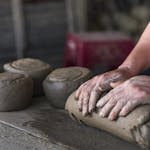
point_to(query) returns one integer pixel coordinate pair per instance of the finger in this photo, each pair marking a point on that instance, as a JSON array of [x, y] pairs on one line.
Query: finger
[[107, 108], [128, 107], [79, 90], [85, 107], [80, 102], [103, 100], [80, 105], [116, 110], [115, 84], [93, 99], [85, 104], [85, 85], [77, 93]]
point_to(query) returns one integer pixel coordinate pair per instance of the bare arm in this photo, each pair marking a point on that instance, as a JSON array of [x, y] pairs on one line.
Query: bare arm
[[139, 58]]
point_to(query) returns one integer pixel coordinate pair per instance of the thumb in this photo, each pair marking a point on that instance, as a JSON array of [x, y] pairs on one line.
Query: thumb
[[115, 84]]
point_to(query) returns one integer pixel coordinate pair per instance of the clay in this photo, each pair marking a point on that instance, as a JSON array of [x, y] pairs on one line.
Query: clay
[[134, 128], [35, 68], [16, 91], [62, 82]]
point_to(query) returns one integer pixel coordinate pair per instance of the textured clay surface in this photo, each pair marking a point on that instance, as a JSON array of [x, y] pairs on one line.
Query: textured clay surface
[[62, 82], [35, 68], [134, 128], [16, 91]]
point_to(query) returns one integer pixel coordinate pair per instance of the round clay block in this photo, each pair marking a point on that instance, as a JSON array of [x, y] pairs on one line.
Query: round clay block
[[62, 82], [16, 91], [35, 68]]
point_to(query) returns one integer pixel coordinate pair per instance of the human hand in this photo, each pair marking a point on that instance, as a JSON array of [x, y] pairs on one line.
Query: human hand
[[125, 97], [89, 92]]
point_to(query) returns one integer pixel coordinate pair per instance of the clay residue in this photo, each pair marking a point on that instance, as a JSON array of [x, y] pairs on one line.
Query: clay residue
[[141, 135], [68, 74], [57, 126], [28, 64]]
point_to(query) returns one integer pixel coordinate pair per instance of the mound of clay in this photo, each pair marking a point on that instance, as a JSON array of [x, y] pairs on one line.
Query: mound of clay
[[134, 128], [62, 82], [35, 68], [16, 91]]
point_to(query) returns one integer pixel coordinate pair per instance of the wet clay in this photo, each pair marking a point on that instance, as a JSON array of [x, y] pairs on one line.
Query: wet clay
[[16, 91], [62, 82], [134, 128], [35, 68]]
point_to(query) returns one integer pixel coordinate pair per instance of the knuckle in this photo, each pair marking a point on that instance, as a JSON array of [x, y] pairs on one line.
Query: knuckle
[[112, 94], [143, 94], [104, 76], [96, 78], [82, 85], [85, 84], [85, 102], [125, 110], [95, 90], [131, 81], [86, 95], [139, 90], [112, 102]]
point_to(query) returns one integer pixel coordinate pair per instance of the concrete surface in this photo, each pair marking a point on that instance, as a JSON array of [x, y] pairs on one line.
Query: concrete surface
[[41, 127]]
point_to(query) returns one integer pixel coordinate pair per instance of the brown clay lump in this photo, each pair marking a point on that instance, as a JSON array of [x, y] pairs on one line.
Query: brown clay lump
[[16, 91], [135, 127], [35, 68], [62, 82]]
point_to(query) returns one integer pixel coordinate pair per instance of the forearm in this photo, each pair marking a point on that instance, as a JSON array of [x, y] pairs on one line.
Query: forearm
[[139, 58]]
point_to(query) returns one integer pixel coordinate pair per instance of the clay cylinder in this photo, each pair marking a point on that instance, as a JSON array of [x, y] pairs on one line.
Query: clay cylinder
[[135, 127], [16, 91], [35, 68], [62, 82]]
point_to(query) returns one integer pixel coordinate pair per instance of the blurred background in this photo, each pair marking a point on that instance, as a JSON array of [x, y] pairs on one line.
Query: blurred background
[[43, 29]]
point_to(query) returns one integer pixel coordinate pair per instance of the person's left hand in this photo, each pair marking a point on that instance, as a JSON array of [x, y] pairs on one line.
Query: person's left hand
[[125, 97]]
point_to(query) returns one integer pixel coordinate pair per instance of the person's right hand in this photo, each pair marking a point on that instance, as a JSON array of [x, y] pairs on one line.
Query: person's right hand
[[89, 92]]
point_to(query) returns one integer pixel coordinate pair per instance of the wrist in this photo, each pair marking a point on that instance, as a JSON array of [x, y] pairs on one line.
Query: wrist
[[129, 71]]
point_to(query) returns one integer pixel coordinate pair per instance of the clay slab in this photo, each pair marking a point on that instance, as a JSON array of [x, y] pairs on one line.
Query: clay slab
[[134, 128]]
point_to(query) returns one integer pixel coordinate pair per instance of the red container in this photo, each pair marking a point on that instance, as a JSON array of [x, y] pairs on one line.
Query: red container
[[92, 50]]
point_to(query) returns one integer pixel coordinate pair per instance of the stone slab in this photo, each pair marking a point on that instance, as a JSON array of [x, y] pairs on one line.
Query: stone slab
[[43, 126]]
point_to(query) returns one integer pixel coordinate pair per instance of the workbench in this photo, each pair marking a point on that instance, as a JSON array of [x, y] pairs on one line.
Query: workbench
[[41, 127]]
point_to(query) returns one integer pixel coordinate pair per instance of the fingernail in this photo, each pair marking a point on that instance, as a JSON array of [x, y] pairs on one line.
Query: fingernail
[[97, 105], [90, 110], [84, 113], [111, 118], [101, 114], [121, 114]]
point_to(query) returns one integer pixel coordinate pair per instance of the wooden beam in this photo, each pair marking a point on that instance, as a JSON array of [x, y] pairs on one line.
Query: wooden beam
[[77, 15], [19, 27]]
